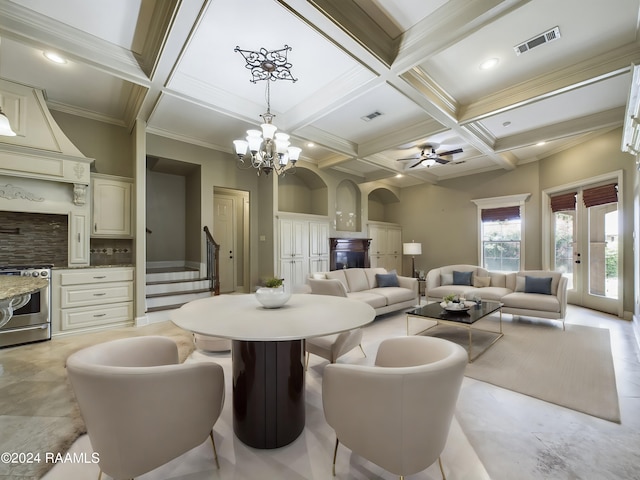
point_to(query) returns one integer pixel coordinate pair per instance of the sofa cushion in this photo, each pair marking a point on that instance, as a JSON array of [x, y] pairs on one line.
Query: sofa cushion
[[356, 279], [481, 282], [395, 294], [371, 275], [387, 280], [555, 277], [443, 291], [487, 293], [462, 278], [519, 283], [376, 301], [498, 279], [446, 279], [531, 301], [339, 275], [540, 285], [319, 276]]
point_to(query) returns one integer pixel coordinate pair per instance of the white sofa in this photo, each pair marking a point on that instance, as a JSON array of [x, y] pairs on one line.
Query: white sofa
[[508, 288], [361, 284]]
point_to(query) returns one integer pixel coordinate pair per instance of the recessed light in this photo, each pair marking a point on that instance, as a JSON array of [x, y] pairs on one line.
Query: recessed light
[[489, 64], [54, 57], [539, 144], [399, 175], [311, 144]]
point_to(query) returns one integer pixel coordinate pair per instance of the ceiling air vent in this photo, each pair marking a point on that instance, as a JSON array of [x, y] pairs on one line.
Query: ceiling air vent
[[371, 116], [538, 40]]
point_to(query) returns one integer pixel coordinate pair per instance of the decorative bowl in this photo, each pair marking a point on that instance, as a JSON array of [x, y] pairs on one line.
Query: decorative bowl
[[272, 297]]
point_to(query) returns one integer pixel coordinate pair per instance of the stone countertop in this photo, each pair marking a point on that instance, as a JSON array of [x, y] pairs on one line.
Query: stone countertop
[[13, 286], [80, 267]]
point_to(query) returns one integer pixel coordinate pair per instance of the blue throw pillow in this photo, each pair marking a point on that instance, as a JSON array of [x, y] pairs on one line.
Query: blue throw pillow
[[387, 280], [462, 278], [537, 285]]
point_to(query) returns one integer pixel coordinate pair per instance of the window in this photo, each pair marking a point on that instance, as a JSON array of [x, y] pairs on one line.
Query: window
[[501, 246]]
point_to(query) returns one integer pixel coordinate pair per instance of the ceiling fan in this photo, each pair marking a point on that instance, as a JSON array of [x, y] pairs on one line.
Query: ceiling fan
[[429, 156]]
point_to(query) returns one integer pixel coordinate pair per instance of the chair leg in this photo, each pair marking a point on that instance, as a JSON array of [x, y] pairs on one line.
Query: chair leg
[[441, 469], [335, 452], [363, 352], [215, 452], [100, 475], [306, 361]]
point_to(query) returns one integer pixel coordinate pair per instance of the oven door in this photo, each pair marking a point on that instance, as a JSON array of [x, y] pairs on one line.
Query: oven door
[[29, 323]]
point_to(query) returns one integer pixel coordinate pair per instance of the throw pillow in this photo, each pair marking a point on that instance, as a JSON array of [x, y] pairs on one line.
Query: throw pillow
[[387, 280], [446, 279], [462, 278], [481, 282], [519, 284], [537, 285], [320, 276]]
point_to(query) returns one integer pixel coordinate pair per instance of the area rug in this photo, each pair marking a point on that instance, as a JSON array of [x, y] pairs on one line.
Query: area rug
[[38, 412], [572, 368]]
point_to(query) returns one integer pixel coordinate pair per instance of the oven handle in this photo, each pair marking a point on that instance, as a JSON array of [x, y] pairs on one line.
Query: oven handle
[[24, 329]]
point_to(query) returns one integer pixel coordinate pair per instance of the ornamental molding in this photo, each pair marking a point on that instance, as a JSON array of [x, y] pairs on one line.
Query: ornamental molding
[[12, 192]]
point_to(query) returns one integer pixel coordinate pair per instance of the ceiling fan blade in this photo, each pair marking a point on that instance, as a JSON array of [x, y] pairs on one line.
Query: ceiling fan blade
[[441, 161], [405, 159], [450, 152], [417, 163]]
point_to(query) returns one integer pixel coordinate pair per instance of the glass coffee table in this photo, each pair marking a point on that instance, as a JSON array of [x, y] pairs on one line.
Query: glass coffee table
[[461, 319]]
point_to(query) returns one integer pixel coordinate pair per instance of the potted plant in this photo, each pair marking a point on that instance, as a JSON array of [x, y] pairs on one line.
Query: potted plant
[[272, 294]]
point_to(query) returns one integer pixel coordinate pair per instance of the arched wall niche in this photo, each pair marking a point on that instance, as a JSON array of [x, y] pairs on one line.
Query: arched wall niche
[[303, 192], [348, 207], [378, 205]]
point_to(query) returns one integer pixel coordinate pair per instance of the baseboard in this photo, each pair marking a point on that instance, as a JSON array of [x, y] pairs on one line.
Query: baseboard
[[142, 321]]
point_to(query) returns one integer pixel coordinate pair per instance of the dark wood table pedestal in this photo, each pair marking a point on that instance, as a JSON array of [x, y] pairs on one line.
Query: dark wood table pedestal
[[268, 392]]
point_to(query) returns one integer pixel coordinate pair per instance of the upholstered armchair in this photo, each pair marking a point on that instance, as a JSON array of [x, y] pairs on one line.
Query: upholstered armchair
[[141, 407], [330, 347], [396, 413]]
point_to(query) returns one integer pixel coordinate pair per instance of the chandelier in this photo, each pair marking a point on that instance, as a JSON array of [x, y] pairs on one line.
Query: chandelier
[[267, 150]]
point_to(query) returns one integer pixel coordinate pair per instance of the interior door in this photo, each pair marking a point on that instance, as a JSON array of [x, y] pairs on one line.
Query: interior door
[[224, 227]]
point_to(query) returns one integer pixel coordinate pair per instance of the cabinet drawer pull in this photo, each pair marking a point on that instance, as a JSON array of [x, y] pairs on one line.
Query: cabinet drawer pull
[[101, 276], [99, 294], [97, 315], [78, 238]]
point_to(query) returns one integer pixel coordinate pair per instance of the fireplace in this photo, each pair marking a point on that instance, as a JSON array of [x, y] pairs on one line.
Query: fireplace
[[348, 253]]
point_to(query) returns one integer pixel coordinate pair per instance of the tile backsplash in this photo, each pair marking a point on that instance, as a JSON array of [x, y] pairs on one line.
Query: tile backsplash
[[33, 238], [111, 251]]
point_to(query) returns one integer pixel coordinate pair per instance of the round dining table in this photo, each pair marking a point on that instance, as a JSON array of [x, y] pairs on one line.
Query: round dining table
[[267, 353]]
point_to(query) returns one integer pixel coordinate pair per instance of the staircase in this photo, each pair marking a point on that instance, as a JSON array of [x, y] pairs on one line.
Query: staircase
[[170, 288]]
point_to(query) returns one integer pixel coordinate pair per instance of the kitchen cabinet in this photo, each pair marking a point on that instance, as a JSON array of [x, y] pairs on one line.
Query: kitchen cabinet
[[111, 200], [318, 247], [91, 299], [386, 246], [79, 238]]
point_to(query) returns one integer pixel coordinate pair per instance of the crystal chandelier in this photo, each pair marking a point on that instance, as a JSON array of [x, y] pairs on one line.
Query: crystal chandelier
[[267, 150]]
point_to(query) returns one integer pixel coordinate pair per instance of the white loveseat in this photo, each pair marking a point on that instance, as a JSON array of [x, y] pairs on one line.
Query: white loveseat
[[362, 284], [514, 290]]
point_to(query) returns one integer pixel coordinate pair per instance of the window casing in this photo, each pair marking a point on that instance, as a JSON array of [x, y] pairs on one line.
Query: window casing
[[501, 232]]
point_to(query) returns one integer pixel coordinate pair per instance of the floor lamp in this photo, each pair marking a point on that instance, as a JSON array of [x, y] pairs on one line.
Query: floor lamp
[[412, 249]]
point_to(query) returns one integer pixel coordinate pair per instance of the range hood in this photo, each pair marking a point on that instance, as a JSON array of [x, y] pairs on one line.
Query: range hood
[[40, 150]]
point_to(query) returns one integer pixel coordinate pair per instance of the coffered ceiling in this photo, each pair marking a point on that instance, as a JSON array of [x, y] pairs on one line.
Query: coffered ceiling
[[416, 63]]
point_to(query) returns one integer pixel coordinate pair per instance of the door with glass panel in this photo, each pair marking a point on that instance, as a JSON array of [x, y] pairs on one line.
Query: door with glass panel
[[585, 245]]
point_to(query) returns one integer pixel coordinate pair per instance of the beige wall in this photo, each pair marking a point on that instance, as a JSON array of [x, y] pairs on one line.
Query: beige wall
[[111, 146], [193, 215], [166, 217]]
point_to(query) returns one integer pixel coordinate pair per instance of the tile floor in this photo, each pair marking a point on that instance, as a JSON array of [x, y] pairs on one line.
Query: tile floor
[[496, 434]]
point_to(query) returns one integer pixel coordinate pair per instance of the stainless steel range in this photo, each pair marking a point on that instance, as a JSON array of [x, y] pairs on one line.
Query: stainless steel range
[[32, 322]]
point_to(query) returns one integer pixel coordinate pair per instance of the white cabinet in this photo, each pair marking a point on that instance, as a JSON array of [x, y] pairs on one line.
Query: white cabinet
[[303, 248], [386, 246], [111, 206], [318, 247], [79, 239], [92, 298]]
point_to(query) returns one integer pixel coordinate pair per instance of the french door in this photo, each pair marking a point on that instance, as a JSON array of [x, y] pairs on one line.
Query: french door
[[585, 246]]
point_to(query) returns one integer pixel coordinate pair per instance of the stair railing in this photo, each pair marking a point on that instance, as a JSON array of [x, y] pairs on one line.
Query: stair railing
[[213, 262]]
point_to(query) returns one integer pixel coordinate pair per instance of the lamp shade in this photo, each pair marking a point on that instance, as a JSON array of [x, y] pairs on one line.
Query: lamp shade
[[412, 248]]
